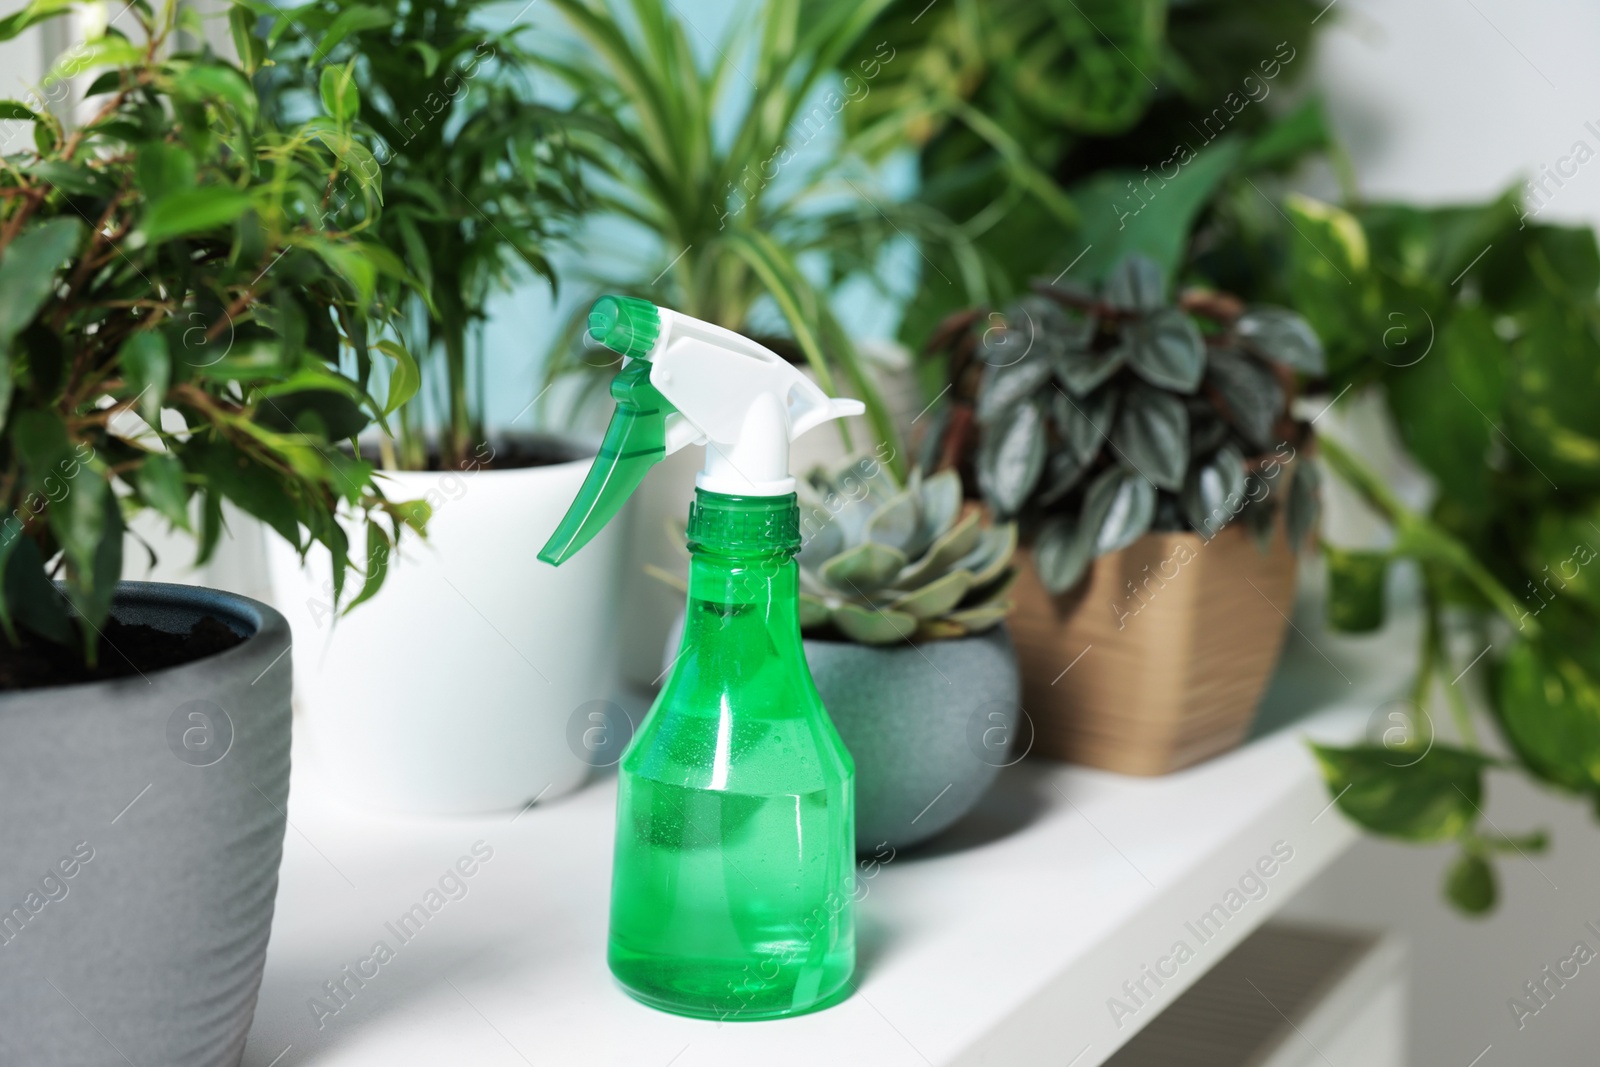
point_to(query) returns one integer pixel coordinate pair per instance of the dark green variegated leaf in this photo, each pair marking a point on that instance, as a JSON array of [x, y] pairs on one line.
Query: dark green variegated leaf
[[1213, 491], [1152, 435], [1082, 371], [1261, 517], [1006, 387], [1136, 284], [1251, 392], [1470, 883], [1061, 553], [1165, 349], [1396, 794], [1305, 501], [1355, 589], [1086, 422], [1064, 470], [1118, 509], [1011, 460], [1283, 337]]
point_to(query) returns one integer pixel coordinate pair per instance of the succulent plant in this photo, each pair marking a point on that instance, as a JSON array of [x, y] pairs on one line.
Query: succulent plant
[[1094, 418], [882, 562]]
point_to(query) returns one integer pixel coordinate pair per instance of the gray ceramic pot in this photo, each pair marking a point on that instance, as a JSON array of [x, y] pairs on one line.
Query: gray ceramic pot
[[141, 826], [929, 725]]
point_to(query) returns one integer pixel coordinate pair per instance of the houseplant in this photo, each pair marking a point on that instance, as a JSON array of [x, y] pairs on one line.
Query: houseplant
[[904, 589], [1050, 131], [1147, 449], [476, 180], [175, 308], [727, 188], [1477, 325]]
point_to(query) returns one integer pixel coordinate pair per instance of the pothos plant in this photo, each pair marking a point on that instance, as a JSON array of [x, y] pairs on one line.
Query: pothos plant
[[1479, 327], [476, 175], [1096, 417], [181, 324]]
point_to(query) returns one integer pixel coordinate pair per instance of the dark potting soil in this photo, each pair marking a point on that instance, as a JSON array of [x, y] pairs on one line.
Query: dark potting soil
[[125, 649]]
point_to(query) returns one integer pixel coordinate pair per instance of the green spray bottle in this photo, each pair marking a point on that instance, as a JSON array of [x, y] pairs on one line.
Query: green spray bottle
[[731, 889]]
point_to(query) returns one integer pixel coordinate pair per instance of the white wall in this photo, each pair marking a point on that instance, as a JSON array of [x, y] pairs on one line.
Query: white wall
[[1438, 101]]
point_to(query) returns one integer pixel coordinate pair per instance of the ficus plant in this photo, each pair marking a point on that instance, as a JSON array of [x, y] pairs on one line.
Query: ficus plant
[[1095, 417], [477, 177], [182, 323], [729, 186], [1479, 328]]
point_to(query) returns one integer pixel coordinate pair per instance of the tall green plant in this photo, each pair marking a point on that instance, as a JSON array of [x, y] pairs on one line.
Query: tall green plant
[[729, 173], [1481, 330], [173, 260], [475, 173]]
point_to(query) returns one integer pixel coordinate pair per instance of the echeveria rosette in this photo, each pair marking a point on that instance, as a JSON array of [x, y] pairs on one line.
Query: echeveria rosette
[[1102, 416], [882, 562]]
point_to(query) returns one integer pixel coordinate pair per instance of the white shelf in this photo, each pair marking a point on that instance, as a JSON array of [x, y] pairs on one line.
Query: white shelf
[[1002, 945]]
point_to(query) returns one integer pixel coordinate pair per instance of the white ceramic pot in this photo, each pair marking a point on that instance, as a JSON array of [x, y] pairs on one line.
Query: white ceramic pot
[[450, 692]]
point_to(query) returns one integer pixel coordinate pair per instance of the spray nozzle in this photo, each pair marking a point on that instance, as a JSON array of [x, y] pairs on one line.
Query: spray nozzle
[[690, 382]]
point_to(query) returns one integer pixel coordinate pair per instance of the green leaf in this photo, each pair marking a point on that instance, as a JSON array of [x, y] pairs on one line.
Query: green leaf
[[12, 111], [404, 380], [161, 486], [1283, 337], [1165, 349], [1061, 553], [1548, 706], [164, 170], [896, 523], [1126, 211], [1117, 510], [864, 568], [1355, 589], [1137, 284], [1330, 280], [250, 48], [1470, 884], [1004, 387], [340, 96], [937, 597], [1083, 371], [1392, 792], [195, 211], [35, 12], [1305, 502], [28, 272], [1213, 491], [318, 413], [874, 627], [214, 84], [377, 568], [1250, 392], [1152, 436], [353, 19], [1291, 138], [256, 489], [31, 600], [1445, 405], [1011, 460], [147, 368], [1086, 423]]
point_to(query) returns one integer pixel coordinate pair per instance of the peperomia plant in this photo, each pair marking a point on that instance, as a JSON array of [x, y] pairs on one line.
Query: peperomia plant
[[175, 311], [1094, 418]]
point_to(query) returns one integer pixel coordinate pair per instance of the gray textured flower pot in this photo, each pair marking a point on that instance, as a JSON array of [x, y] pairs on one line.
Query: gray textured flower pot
[[929, 725], [141, 825]]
